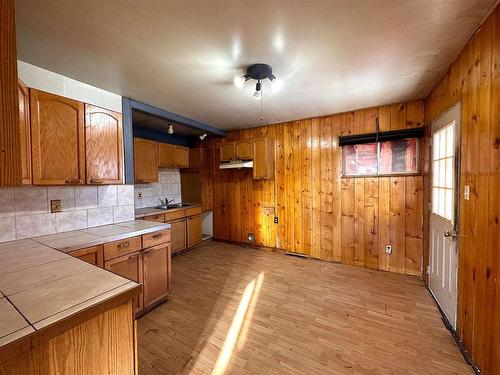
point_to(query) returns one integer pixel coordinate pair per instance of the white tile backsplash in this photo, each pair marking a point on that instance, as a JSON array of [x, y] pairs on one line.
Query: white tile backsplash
[[106, 196], [99, 216], [35, 225], [169, 186], [25, 211], [65, 193], [29, 200]]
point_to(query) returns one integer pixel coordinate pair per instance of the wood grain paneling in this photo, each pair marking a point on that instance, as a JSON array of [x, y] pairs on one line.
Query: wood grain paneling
[[57, 139], [321, 214], [101, 345], [10, 142], [104, 145], [25, 132], [474, 80]]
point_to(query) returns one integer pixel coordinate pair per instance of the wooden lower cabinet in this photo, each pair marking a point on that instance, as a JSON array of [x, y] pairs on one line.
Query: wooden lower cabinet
[[131, 267], [156, 263], [93, 255], [178, 235], [193, 230]]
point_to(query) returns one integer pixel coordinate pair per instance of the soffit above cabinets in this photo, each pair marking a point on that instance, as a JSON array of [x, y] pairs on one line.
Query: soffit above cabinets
[[182, 56]]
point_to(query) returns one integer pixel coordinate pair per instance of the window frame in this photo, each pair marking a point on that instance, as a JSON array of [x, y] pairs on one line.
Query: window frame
[[418, 171]]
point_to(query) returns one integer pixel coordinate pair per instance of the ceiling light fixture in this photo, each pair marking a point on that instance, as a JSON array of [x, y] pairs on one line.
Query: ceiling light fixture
[[258, 72], [170, 129]]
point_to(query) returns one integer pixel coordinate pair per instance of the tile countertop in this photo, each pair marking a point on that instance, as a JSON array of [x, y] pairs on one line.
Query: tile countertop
[[146, 211], [44, 290]]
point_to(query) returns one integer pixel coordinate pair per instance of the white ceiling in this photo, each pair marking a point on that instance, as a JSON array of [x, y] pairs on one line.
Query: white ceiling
[[181, 56]]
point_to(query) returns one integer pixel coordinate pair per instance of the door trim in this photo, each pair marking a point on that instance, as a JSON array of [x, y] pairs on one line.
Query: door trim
[[453, 113]]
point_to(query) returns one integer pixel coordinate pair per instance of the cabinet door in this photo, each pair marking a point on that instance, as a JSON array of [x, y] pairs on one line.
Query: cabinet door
[[194, 230], [145, 160], [182, 157], [156, 273], [167, 155], [178, 235], [244, 150], [93, 255], [130, 267], [25, 132], [227, 151], [104, 145], [57, 138], [206, 193], [263, 162]]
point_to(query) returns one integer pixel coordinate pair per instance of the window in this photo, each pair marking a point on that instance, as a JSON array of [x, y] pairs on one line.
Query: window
[[443, 159], [381, 158]]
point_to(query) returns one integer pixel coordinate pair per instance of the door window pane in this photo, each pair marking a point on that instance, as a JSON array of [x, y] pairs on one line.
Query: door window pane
[[443, 197]]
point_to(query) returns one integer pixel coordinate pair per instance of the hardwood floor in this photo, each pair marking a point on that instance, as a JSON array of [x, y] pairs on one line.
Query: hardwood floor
[[239, 310]]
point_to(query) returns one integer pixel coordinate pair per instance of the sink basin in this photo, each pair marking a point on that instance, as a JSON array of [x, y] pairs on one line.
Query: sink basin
[[175, 205]]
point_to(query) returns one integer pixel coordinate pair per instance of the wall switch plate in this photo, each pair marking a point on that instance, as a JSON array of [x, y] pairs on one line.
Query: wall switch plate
[[276, 220], [55, 205], [467, 192], [388, 249]]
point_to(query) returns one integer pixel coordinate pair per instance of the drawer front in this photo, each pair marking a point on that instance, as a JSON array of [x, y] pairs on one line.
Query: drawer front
[[179, 214], [155, 238], [123, 247], [193, 211], [92, 255], [160, 218]]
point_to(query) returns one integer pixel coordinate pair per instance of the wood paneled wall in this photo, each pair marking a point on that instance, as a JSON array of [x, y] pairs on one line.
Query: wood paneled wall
[[321, 214], [474, 79]]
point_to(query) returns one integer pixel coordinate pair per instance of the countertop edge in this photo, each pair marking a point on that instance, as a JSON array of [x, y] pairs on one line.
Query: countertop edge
[[35, 338], [159, 211]]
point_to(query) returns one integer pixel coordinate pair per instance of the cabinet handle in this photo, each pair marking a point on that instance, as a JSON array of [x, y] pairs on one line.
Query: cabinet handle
[[77, 181], [94, 181], [157, 235], [135, 256], [123, 245]]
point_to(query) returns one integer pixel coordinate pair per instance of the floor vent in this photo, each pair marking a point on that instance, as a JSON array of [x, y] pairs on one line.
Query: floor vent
[[296, 254]]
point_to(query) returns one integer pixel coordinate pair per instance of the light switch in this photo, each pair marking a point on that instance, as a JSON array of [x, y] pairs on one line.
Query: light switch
[[466, 192]]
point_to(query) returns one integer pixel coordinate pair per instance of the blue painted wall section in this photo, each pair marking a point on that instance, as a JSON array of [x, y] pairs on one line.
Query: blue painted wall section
[[129, 131]]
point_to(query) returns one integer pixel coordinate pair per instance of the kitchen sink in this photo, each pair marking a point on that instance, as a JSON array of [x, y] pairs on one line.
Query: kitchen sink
[[175, 205]]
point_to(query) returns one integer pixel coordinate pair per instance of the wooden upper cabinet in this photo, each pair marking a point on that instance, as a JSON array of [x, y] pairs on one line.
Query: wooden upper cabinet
[[263, 161], [182, 157], [166, 155], [227, 151], [25, 132], [104, 145], [244, 150], [145, 160], [57, 138]]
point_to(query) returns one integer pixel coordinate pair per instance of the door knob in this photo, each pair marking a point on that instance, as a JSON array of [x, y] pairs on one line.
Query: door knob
[[453, 234]]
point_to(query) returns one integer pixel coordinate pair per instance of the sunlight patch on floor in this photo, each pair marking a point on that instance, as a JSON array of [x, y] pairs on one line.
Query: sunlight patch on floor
[[238, 330]]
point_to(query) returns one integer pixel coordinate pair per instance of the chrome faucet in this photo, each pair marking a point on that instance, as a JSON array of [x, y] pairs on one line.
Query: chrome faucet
[[166, 202]]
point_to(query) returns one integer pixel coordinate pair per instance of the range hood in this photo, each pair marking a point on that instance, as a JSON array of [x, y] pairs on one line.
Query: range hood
[[236, 164]]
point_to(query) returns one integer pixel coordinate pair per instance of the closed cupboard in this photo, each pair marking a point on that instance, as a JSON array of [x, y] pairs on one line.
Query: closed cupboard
[[145, 160], [25, 132], [57, 139], [104, 145], [156, 263]]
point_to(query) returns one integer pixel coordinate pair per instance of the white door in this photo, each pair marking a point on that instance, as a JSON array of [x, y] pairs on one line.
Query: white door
[[443, 259]]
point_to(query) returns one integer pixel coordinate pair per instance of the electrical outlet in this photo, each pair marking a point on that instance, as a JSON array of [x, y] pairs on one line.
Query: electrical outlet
[[139, 195], [55, 205], [467, 192], [276, 220], [388, 249]]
